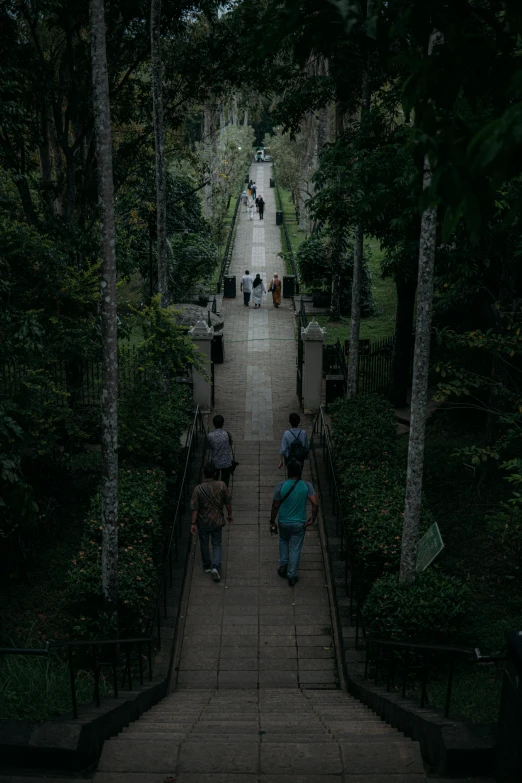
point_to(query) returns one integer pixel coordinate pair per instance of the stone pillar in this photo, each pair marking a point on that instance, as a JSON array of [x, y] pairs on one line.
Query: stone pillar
[[313, 338], [202, 335]]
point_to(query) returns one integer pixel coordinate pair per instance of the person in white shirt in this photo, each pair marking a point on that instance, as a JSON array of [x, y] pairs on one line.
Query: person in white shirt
[[251, 211], [246, 287]]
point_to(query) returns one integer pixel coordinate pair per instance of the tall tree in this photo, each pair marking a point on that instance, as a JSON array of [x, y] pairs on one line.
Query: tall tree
[[421, 367], [355, 317], [159, 146], [109, 328]]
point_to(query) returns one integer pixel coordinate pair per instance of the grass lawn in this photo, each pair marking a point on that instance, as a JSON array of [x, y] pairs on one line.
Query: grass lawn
[[296, 236], [382, 323]]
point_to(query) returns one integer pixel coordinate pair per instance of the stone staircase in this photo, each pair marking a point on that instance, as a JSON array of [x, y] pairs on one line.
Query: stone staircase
[[248, 736]]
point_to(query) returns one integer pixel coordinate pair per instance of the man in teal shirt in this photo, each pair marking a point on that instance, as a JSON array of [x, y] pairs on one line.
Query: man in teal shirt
[[289, 500]]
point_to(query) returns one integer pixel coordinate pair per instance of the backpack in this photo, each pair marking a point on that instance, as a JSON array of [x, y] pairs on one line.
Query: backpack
[[297, 450]]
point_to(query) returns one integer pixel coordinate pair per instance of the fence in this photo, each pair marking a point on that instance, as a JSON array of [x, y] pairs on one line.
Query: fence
[[399, 666], [78, 380], [374, 366], [125, 657], [227, 255], [289, 250]]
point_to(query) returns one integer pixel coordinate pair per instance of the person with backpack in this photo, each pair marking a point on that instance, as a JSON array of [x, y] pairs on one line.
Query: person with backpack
[[289, 501], [294, 444], [208, 519]]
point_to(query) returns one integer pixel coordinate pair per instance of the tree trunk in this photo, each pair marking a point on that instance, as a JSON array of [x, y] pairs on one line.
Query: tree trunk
[[419, 391], [159, 147], [355, 317], [400, 381], [44, 148], [207, 200], [335, 302], [102, 124]]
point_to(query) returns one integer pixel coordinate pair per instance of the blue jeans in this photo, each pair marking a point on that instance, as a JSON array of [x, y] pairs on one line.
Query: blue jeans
[[291, 538], [216, 535]]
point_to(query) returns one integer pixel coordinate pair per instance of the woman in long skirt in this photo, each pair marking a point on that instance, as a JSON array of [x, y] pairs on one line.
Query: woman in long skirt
[[258, 290], [275, 288]]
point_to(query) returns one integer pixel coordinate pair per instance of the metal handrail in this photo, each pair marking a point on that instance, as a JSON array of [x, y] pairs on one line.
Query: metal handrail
[[154, 627], [290, 251], [388, 653], [225, 263]]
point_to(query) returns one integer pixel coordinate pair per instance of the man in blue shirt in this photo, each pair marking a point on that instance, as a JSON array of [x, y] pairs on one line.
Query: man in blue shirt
[[289, 501], [294, 444]]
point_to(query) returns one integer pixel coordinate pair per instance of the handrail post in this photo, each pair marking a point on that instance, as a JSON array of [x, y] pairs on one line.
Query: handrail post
[[450, 685], [72, 681]]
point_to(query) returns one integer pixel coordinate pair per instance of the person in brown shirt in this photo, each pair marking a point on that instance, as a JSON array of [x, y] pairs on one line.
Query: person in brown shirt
[[208, 518]]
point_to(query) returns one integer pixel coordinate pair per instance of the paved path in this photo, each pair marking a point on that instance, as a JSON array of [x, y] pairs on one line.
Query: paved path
[[256, 698], [252, 629]]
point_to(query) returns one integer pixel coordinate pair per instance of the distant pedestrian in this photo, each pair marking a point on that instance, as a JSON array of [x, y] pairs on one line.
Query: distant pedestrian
[[254, 189], [258, 289], [261, 205], [294, 444], [244, 199], [251, 211], [208, 519], [246, 287], [257, 204], [275, 288], [220, 442], [289, 501]]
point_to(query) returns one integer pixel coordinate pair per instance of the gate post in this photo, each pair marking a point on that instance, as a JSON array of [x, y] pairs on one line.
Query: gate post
[[313, 338], [202, 335], [509, 747]]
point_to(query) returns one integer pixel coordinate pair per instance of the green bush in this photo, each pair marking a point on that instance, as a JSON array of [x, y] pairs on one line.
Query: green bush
[[39, 688], [374, 506], [140, 549], [429, 610], [151, 422], [364, 431]]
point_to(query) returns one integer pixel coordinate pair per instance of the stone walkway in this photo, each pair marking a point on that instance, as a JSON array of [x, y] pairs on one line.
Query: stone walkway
[[252, 630], [256, 698]]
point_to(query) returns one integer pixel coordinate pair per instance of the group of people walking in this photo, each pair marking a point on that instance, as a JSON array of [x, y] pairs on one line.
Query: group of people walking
[[255, 287], [289, 500], [253, 202]]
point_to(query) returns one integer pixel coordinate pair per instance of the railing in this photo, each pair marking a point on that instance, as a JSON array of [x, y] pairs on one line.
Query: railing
[[407, 658], [289, 249], [78, 380], [116, 653], [374, 366], [227, 255], [399, 666]]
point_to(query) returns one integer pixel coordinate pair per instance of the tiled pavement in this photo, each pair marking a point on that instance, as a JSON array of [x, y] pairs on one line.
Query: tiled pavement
[[256, 697], [252, 629]]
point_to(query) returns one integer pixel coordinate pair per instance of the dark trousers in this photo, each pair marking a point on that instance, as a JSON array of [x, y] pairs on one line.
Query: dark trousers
[[216, 536], [246, 297], [225, 475], [261, 213]]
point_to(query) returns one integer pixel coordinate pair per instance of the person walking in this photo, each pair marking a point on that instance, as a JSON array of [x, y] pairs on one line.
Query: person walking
[[251, 210], [220, 443], [275, 288], [289, 501], [261, 205], [294, 444], [258, 289], [246, 287], [208, 519], [254, 190], [244, 199]]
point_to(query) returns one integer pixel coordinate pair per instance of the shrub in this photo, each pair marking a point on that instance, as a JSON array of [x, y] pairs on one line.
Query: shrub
[[140, 549], [364, 430], [151, 422], [429, 610], [374, 498]]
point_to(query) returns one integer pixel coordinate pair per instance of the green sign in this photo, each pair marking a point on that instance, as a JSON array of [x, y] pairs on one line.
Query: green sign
[[430, 545]]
